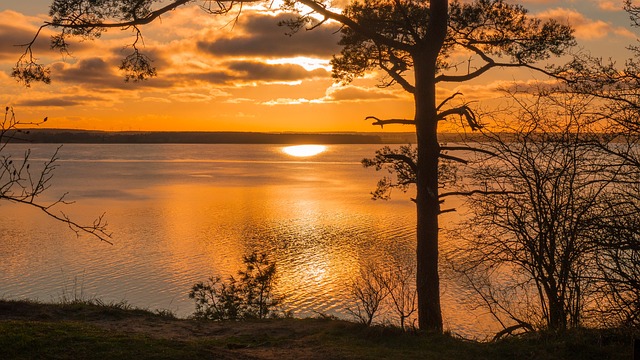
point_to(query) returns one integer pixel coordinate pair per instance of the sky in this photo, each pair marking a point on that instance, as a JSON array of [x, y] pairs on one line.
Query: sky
[[216, 74]]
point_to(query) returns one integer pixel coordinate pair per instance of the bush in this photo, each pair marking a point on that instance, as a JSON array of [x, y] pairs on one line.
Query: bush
[[251, 296]]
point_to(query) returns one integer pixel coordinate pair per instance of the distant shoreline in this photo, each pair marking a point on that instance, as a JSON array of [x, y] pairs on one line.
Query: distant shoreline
[[72, 136], [69, 136]]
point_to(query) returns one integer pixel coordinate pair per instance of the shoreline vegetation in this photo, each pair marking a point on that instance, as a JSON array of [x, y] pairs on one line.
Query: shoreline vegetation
[[92, 329], [61, 136], [72, 136]]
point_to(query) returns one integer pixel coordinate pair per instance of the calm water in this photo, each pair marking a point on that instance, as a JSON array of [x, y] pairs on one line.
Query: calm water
[[182, 213]]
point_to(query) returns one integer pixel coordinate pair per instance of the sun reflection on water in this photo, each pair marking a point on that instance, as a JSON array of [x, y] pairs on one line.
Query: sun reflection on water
[[304, 150]]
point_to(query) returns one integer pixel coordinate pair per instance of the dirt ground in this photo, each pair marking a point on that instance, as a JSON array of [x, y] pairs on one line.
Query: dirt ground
[[264, 339]]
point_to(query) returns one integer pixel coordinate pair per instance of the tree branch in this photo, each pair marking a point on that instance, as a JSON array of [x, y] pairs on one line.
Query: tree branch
[[481, 192], [453, 158], [464, 111], [390, 121], [322, 10], [467, 148], [97, 229], [407, 160], [447, 100]]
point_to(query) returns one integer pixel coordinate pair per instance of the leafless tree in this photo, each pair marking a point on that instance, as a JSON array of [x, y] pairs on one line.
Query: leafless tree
[[368, 292], [617, 90], [536, 245], [402, 298], [381, 288], [19, 183]]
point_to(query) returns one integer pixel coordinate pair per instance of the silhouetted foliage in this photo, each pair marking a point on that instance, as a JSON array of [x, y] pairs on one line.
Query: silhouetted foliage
[[401, 164], [250, 296]]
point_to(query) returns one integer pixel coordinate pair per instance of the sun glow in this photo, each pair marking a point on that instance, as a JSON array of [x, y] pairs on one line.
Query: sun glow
[[304, 150], [307, 63]]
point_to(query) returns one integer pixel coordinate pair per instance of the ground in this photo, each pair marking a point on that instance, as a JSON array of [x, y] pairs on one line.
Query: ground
[[30, 330]]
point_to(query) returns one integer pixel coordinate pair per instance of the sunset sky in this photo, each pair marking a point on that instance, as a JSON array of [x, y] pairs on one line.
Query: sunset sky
[[217, 76]]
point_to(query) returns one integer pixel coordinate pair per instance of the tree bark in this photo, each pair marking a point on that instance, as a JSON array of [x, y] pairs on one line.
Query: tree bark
[[427, 201]]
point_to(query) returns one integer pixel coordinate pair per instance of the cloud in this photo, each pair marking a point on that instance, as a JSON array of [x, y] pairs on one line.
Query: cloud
[[99, 73], [498, 88], [94, 72], [251, 72], [18, 29], [63, 101], [341, 94], [191, 97], [259, 71], [355, 93], [156, 99], [262, 37], [14, 31], [585, 28], [608, 5]]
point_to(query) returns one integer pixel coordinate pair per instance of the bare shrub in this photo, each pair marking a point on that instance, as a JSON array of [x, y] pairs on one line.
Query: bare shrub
[[391, 289]]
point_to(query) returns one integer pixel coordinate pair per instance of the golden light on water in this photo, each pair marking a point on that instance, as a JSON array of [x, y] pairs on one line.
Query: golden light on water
[[304, 150]]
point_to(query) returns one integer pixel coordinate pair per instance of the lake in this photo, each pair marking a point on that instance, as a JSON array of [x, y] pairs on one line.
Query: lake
[[182, 213]]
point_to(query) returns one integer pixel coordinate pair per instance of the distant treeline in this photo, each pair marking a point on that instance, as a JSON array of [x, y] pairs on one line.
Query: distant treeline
[[63, 136]]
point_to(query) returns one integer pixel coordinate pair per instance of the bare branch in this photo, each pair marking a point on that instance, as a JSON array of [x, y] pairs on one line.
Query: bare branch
[[390, 121], [467, 148], [464, 111], [453, 158], [480, 192], [19, 185], [447, 100]]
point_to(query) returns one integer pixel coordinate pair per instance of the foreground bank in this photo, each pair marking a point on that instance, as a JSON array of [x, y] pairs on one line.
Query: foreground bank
[[79, 331]]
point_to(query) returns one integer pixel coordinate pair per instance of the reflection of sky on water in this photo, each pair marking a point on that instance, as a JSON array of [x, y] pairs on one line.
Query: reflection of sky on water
[[177, 222]]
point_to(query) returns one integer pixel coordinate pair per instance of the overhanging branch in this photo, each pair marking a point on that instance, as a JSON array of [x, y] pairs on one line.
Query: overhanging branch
[[138, 21], [363, 30]]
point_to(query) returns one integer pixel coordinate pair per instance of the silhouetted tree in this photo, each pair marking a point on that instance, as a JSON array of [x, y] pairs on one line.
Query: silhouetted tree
[[20, 184], [403, 38], [617, 90], [533, 246]]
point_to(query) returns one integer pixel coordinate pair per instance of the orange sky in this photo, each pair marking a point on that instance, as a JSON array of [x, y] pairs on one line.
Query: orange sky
[[249, 77]]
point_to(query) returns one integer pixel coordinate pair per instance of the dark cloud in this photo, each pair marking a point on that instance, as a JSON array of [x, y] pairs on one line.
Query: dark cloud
[[266, 39], [235, 72], [92, 73], [258, 71], [63, 101], [11, 36], [98, 73], [157, 56], [212, 77]]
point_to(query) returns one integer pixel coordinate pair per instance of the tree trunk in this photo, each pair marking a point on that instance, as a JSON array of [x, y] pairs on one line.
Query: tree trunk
[[427, 201], [428, 208]]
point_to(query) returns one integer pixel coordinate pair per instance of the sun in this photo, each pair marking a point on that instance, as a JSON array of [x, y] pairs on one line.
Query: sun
[[304, 150]]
